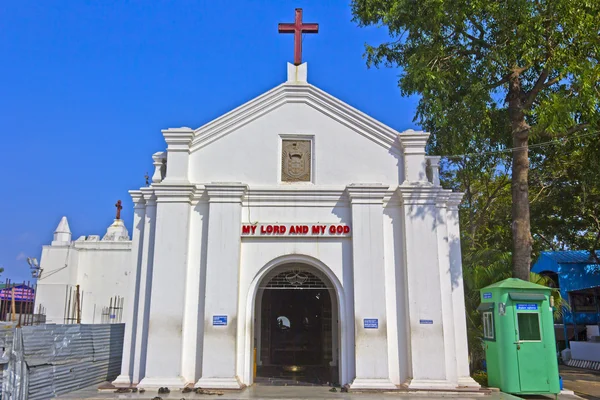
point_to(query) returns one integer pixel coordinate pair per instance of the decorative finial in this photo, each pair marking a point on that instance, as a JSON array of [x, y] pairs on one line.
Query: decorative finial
[[298, 28], [119, 208]]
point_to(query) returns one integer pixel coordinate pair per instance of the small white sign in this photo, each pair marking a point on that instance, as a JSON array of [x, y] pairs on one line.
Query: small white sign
[[295, 230]]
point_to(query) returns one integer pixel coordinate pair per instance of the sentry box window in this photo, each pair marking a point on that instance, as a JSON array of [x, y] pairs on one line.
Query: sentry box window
[[529, 327], [488, 326]]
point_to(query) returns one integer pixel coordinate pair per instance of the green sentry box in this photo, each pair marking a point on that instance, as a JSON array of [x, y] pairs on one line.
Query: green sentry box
[[518, 327]]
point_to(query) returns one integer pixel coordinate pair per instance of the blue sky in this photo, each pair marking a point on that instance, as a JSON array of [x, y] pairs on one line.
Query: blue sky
[[88, 85]]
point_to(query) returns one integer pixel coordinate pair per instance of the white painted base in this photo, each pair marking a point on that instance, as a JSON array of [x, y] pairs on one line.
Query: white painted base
[[372, 384], [219, 383], [427, 384], [122, 381], [468, 382], [156, 383]]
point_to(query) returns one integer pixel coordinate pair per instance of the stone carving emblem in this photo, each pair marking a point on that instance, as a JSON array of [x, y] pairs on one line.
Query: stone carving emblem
[[295, 161]]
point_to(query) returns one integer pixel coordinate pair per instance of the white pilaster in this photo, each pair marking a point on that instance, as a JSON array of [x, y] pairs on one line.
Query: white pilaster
[[137, 249], [427, 344], [222, 285], [413, 146], [458, 293], [446, 286], [143, 301], [165, 341], [372, 369], [178, 154]]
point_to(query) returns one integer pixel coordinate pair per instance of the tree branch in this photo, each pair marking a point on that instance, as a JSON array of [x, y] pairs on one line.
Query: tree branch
[[476, 25], [552, 246], [501, 82], [577, 128], [539, 84]]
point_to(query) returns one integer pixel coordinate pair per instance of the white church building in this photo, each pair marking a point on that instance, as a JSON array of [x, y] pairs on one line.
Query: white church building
[[296, 234], [293, 237]]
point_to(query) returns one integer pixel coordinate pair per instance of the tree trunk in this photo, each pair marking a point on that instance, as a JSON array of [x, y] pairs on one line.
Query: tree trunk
[[521, 230]]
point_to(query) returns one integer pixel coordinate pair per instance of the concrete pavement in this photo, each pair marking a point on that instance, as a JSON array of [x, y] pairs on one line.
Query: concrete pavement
[[583, 382]]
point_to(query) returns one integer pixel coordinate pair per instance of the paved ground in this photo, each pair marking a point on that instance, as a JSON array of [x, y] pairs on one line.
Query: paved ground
[[292, 392], [583, 382]]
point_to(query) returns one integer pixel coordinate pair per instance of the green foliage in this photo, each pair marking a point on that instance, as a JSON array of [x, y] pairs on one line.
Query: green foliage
[[462, 58], [565, 198], [458, 56], [481, 377]]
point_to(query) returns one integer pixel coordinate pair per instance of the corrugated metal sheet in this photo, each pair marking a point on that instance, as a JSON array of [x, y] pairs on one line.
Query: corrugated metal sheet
[[61, 358], [571, 256]]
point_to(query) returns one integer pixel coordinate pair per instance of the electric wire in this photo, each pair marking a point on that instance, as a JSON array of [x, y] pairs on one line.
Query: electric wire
[[531, 146]]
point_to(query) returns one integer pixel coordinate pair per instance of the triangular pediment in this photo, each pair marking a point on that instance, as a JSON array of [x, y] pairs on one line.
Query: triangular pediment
[[287, 93]]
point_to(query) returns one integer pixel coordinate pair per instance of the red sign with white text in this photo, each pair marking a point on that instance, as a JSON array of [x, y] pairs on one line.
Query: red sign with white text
[[295, 230]]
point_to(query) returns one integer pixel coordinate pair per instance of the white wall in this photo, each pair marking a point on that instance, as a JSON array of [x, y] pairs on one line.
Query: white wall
[[251, 154], [102, 270]]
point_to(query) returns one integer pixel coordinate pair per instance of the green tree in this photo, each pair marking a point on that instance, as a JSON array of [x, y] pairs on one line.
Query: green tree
[[493, 75], [565, 201]]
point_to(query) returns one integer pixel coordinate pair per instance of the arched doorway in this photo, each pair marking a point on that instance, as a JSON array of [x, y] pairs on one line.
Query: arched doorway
[[296, 332]]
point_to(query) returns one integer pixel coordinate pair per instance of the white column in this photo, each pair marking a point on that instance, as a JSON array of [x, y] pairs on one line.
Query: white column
[[446, 287], [143, 300], [178, 154], [222, 287], [167, 303], [458, 293], [372, 369], [131, 304]]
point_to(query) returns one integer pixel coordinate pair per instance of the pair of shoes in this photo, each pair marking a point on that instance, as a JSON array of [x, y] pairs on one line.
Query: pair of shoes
[[163, 390], [186, 390]]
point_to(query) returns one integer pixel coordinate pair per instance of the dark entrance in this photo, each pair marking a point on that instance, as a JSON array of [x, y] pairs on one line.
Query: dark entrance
[[296, 331]]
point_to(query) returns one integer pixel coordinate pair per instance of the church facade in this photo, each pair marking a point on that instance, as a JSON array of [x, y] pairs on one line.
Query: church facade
[[292, 237]]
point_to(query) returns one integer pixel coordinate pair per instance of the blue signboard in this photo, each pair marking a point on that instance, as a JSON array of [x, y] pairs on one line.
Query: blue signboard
[[219, 320], [527, 307], [426, 321], [372, 323], [487, 295]]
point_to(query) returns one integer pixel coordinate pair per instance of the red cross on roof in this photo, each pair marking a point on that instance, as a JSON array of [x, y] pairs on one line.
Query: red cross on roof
[[298, 28]]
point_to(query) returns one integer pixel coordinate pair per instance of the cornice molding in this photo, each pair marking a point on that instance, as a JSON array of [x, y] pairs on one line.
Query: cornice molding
[[454, 200], [149, 196], [413, 142], [169, 193], [225, 192], [296, 196], [138, 199], [292, 93], [418, 193], [360, 193], [178, 139], [441, 200]]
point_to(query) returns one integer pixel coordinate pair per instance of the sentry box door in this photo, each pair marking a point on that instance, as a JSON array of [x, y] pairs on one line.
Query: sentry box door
[[530, 347]]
